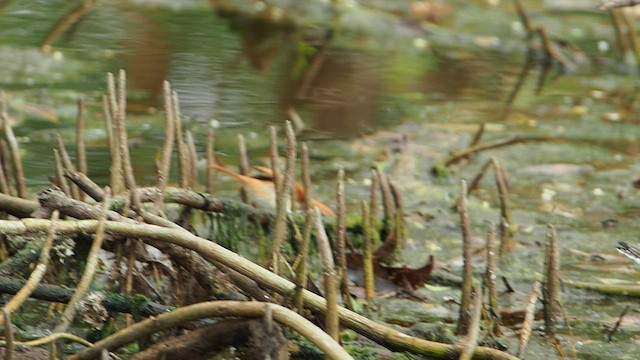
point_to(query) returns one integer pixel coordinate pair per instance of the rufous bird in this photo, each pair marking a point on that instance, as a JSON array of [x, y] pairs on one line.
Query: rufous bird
[[261, 191]]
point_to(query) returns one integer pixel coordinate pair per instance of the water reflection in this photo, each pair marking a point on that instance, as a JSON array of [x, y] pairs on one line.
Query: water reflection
[[148, 62], [340, 91]]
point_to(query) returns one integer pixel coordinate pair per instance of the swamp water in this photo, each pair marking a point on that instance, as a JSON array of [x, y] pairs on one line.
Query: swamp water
[[391, 91]]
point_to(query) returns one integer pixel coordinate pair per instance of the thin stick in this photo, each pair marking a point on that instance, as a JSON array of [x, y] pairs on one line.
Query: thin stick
[[623, 41], [67, 164], [72, 17], [62, 181], [183, 155], [81, 152], [551, 289], [506, 235], [121, 132], [332, 325], [111, 113], [5, 187], [464, 316], [85, 184], [298, 124], [306, 177], [387, 201], [529, 317], [521, 80], [367, 266], [193, 160], [570, 329], [210, 151], [18, 171], [273, 157], [52, 339], [301, 271], [341, 235], [493, 144], [130, 250], [631, 31], [475, 183], [552, 52], [244, 167], [282, 197], [89, 270], [471, 340], [37, 274], [163, 167], [615, 328], [490, 281], [373, 206], [524, 17], [8, 335]]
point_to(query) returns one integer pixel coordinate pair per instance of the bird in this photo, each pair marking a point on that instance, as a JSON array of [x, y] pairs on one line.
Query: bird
[[261, 190], [629, 251]]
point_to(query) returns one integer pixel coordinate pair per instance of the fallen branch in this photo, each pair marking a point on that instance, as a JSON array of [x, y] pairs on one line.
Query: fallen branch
[[386, 336], [217, 309], [456, 156]]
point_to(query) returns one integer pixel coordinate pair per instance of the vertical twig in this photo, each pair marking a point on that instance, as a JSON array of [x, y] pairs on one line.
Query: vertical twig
[[193, 161], [67, 164], [341, 239], [111, 113], [274, 157], [298, 124], [130, 250], [373, 207], [183, 155], [328, 277], [367, 257], [475, 183], [524, 17], [471, 340], [464, 317], [506, 235], [5, 177], [8, 335], [211, 159], [81, 152], [490, 281], [244, 167], [163, 167], [301, 271], [529, 317], [282, 197], [18, 171], [551, 288], [615, 327], [623, 41], [552, 52], [306, 177], [62, 181], [631, 31], [387, 203], [121, 134]]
